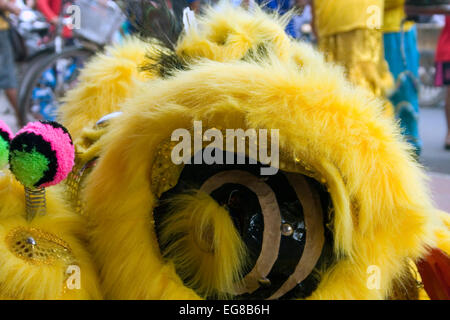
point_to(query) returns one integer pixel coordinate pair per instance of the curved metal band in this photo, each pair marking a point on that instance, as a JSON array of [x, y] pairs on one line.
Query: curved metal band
[[315, 237], [272, 222]]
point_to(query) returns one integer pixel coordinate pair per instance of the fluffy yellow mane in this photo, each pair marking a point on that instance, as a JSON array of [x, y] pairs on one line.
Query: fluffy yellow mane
[[106, 81]]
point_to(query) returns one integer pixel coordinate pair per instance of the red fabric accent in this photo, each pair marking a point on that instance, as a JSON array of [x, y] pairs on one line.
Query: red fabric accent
[[435, 272], [51, 9], [443, 47], [67, 33], [439, 79]]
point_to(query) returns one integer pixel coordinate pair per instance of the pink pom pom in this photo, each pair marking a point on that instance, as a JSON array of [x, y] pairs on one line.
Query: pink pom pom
[[60, 142], [4, 127]]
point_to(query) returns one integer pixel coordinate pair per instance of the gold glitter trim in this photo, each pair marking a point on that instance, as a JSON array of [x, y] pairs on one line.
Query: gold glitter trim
[[165, 173], [38, 247], [74, 182], [87, 151]]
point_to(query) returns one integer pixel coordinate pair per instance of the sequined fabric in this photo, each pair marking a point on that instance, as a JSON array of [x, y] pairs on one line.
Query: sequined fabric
[[38, 247], [165, 173], [86, 150], [336, 16], [361, 53]]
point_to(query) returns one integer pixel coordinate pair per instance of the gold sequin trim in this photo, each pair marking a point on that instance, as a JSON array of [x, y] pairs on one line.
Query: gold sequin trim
[[74, 184], [39, 247], [87, 151], [165, 173]]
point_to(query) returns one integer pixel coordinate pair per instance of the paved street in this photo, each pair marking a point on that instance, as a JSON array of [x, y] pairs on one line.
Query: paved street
[[435, 159], [433, 130], [7, 113]]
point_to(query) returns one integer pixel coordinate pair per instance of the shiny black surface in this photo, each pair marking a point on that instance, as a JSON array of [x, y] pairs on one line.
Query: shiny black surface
[[246, 213]]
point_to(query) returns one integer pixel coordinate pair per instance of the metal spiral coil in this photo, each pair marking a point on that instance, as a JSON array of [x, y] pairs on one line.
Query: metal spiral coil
[[74, 182], [35, 201]]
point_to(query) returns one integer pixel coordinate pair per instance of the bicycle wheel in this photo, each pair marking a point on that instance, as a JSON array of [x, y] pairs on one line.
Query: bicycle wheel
[[29, 68], [47, 82]]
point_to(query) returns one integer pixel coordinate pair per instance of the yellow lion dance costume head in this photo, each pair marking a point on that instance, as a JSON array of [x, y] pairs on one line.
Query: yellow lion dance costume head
[[346, 197]]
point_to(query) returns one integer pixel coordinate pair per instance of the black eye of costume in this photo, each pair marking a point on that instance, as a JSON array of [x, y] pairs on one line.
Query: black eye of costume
[[280, 219]]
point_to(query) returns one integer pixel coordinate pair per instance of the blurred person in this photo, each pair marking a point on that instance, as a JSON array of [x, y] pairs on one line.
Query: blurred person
[[8, 81], [25, 4], [402, 54], [443, 71], [349, 33], [52, 10]]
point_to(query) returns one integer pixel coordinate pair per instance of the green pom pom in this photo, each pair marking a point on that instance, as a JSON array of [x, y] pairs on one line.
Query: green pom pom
[[4, 152], [28, 167]]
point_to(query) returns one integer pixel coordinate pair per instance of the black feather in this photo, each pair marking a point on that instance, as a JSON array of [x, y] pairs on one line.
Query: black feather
[[164, 63], [153, 19]]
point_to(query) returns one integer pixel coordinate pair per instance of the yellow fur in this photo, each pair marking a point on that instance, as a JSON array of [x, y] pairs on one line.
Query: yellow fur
[[221, 38], [20, 279], [321, 118], [106, 81], [381, 212], [443, 232], [201, 240]]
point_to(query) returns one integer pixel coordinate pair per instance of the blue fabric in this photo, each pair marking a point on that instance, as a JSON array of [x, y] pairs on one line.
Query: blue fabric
[[281, 6], [405, 68]]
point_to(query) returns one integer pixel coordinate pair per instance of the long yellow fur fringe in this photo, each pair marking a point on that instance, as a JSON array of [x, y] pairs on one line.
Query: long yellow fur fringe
[[199, 237]]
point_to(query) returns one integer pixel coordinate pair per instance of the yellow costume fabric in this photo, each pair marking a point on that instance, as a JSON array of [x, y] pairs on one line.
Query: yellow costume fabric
[[329, 130], [346, 38], [338, 16], [361, 53], [394, 15], [3, 24]]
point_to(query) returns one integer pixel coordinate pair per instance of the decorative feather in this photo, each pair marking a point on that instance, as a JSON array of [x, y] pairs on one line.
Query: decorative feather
[[153, 19], [164, 63]]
